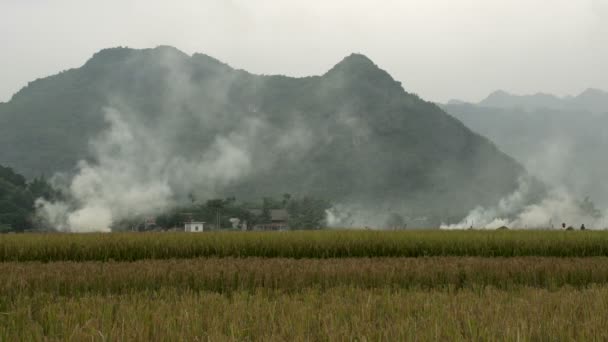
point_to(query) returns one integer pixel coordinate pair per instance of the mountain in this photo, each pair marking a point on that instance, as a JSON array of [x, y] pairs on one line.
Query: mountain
[[591, 100], [351, 135], [559, 140]]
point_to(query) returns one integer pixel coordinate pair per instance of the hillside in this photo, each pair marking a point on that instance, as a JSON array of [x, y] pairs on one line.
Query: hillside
[[157, 122], [560, 140]]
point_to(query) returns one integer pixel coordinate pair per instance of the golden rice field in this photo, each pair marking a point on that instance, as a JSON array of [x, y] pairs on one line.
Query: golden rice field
[[305, 286], [301, 244]]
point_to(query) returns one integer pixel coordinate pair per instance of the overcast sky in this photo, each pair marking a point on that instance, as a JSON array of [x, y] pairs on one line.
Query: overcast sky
[[439, 49]]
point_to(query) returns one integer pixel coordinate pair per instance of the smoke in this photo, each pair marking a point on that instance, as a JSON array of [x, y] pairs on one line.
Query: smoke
[[192, 140], [137, 173], [515, 211]]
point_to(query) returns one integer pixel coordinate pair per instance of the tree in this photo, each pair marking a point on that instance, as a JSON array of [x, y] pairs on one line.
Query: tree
[[286, 198], [40, 188], [169, 220], [267, 204], [216, 205], [12, 177], [307, 213]]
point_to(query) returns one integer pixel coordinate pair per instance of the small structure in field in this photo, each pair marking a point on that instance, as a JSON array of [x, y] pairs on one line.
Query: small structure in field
[[194, 227], [278, 219]]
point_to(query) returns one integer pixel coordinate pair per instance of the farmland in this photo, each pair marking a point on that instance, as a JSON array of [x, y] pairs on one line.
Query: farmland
[[321, 285], [301, 244]]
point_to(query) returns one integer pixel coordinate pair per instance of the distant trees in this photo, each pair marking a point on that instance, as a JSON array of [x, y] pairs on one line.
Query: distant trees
[[17, 198], [307, 213], [302, 213], [221, 208], [8, 175]]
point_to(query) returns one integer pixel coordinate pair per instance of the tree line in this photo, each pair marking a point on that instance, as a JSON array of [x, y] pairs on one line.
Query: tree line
[[302, 213]]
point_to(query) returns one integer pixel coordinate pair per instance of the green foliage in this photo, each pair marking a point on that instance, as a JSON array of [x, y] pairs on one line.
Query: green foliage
[[7, 174], [307, 213], [17, 199]]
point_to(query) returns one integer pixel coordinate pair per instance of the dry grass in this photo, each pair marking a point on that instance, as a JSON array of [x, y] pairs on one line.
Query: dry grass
[[292, 275], [342, 313], [305, 286]]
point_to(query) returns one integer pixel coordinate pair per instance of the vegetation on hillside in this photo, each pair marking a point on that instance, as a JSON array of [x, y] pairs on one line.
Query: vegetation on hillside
[[352, 135], [17, 200], [558, 140]]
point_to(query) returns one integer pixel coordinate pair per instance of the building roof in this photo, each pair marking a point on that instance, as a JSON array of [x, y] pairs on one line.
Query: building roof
[[278, 215], [275, 214]]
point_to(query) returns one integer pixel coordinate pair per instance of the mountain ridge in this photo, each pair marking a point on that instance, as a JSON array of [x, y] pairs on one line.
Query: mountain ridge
[[352, 135], [591, 99]]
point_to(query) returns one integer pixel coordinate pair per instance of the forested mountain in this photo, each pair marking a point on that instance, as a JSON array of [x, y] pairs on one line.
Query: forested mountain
[[352, 135], [560, 140]]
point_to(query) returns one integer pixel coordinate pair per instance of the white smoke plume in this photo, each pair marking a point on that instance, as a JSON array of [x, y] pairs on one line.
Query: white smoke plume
[[557, 208], [137, 173], [195, 141]]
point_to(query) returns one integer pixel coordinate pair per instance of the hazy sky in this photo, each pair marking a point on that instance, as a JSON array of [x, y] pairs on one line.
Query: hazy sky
[[439, 49]]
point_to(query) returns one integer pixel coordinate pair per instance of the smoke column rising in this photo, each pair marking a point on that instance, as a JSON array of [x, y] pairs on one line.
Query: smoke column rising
[[136, 173]]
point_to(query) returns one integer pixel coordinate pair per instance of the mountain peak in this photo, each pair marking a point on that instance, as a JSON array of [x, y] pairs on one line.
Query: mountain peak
[[355, 61], [358, 67], [357, 58], [119, 54], [109, 55], [592, 92], [499, 94], [168, 49]]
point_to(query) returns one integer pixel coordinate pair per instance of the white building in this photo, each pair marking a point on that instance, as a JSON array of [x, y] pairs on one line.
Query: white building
[[194, 227]]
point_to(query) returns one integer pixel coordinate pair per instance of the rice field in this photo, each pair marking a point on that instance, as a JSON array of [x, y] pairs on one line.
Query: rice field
[[227, 275], [300, 244], [336, 314], [305, 286]]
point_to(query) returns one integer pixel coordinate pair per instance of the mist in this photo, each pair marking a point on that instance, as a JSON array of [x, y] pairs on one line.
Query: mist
[[169, 127], [446, 49], [558, 139], [139, 165], [163, 128]]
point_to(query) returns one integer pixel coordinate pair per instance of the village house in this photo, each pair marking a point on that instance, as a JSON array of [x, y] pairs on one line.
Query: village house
[[278, 219], [194, 227]]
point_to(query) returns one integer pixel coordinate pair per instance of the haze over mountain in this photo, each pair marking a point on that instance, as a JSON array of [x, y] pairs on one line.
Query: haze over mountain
[[154, 127], [560, 140], [592, 100]]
